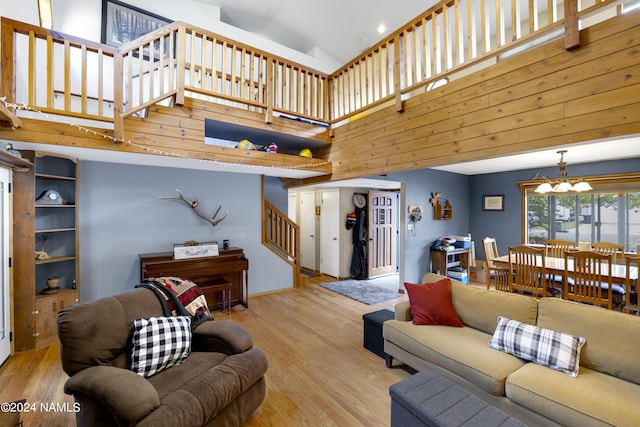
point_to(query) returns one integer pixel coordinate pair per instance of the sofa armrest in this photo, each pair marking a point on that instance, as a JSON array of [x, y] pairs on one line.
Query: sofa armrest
[[222, 337], [128, 396], [403, 311]]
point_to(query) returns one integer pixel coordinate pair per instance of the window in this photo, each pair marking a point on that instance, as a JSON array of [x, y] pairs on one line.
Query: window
[[610, 213]]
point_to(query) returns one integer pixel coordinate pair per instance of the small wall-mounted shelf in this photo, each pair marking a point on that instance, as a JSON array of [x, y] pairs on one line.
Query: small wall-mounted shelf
[[442, 209]]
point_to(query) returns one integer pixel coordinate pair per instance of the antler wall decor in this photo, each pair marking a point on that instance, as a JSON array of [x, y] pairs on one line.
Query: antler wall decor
[[193, 204]]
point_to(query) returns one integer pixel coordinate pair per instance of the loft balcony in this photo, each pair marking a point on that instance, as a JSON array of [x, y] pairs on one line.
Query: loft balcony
[[184, 92]]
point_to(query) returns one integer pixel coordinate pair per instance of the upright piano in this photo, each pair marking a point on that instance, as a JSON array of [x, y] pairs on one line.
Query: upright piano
[[230, 266]]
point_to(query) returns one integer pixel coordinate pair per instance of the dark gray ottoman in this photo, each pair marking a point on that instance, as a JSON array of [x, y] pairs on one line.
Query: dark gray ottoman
[[427, 399], [373, 340]]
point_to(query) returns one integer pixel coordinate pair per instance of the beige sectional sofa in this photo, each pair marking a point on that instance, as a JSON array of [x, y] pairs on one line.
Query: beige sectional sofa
[[605, 392]]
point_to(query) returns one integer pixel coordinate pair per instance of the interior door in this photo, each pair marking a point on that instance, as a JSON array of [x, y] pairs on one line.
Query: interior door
[[5, 328], [330, 233], [381, 258], [308, 230]]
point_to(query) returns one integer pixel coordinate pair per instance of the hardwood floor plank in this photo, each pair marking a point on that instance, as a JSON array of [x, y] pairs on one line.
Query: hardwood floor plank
[[319, 372]]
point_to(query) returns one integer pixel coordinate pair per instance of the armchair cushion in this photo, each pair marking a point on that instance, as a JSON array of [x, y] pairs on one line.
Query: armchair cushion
[[160, 343]]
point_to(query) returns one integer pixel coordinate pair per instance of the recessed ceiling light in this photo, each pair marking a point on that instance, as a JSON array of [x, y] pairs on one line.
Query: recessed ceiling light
[[382, 28]]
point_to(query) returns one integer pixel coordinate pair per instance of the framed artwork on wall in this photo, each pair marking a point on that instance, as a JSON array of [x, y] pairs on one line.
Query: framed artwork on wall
[[493, 203], [122, 23]]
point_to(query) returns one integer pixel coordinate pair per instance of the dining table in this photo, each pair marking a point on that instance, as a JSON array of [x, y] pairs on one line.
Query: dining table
[[555, 266]]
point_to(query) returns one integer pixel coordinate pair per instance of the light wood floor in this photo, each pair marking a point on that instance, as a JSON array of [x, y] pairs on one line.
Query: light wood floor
[[319, 373]]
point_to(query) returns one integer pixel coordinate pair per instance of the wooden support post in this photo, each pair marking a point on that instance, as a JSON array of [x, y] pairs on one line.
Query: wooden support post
[[180, 76], [571, 28], [7, 87], [268, 116], [397, 73], [118, 97]]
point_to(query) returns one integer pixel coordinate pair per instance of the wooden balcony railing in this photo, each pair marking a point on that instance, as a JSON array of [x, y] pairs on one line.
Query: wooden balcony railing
[[58, 73], [452, 35]]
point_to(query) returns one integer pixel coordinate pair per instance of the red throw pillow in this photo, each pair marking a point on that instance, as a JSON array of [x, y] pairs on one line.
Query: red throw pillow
[[431, 304]]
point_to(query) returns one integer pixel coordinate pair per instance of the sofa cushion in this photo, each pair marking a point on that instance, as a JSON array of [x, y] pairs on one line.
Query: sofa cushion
[[592, 398], [431, 304], [159, 343], [463, 351], [612, 337], [543, 346], [479, 308]]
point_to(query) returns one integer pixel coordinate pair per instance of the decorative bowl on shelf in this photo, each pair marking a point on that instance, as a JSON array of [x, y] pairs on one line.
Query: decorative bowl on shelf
[[52, 285]]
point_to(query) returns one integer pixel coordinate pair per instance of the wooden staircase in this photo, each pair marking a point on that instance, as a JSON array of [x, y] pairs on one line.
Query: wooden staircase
[[282, 236]]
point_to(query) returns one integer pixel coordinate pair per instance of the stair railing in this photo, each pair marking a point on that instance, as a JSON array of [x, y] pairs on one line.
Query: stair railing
[[282, 236]]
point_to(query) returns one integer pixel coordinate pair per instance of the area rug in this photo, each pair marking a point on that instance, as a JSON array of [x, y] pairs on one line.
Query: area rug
[[361, 291]]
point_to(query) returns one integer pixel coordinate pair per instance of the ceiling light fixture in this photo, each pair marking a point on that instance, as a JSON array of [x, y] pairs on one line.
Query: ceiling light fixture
[[562, 184], [381, 28]]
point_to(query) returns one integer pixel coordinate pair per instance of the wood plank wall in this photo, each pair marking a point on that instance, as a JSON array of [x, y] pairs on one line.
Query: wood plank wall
[[542, 98], [180, 130]]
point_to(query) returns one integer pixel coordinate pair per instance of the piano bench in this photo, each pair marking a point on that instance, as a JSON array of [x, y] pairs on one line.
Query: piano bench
[[224, 287]]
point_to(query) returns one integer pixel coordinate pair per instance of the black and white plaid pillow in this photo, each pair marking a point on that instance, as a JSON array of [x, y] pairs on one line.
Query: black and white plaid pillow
[[555, 350], [159, 343]]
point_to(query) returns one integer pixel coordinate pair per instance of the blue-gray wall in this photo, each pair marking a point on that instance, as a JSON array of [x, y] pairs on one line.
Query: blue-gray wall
[[275, 194], [418, 188], [121, 217]]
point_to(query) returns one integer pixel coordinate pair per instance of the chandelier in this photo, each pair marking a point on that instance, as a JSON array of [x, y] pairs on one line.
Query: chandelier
[[562, 184]]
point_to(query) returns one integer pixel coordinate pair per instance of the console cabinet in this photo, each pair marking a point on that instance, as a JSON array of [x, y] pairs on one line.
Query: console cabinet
[[46, 246]]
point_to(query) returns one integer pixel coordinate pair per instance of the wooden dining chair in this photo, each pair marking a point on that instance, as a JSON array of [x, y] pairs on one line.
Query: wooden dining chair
[[587, 278], [499, 274], [631, 285], [529, 274], [616, 251], [557, 247]]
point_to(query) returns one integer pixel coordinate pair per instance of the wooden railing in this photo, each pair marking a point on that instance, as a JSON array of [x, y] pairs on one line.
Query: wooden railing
[[58, 73], [452, 35], [282, 236], [226, 71], [147, 71]]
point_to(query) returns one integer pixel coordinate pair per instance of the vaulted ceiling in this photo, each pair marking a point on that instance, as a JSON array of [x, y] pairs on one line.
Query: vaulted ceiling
[[341, 29]]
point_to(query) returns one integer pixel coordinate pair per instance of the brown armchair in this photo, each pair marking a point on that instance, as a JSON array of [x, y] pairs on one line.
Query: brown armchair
[[221, 382]]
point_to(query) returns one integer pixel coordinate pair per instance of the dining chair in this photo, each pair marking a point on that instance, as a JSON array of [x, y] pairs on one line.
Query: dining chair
[[631, 285], [499, 274], [529, 274], [609, 248], [557, 247], [587, 278]]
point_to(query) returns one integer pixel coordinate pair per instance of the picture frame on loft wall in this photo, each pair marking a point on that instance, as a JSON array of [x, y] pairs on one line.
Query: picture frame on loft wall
[[493, 203], [122, 23]]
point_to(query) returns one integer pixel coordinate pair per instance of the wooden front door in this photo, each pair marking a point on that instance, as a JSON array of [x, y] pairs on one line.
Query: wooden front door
[[382, 233]]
